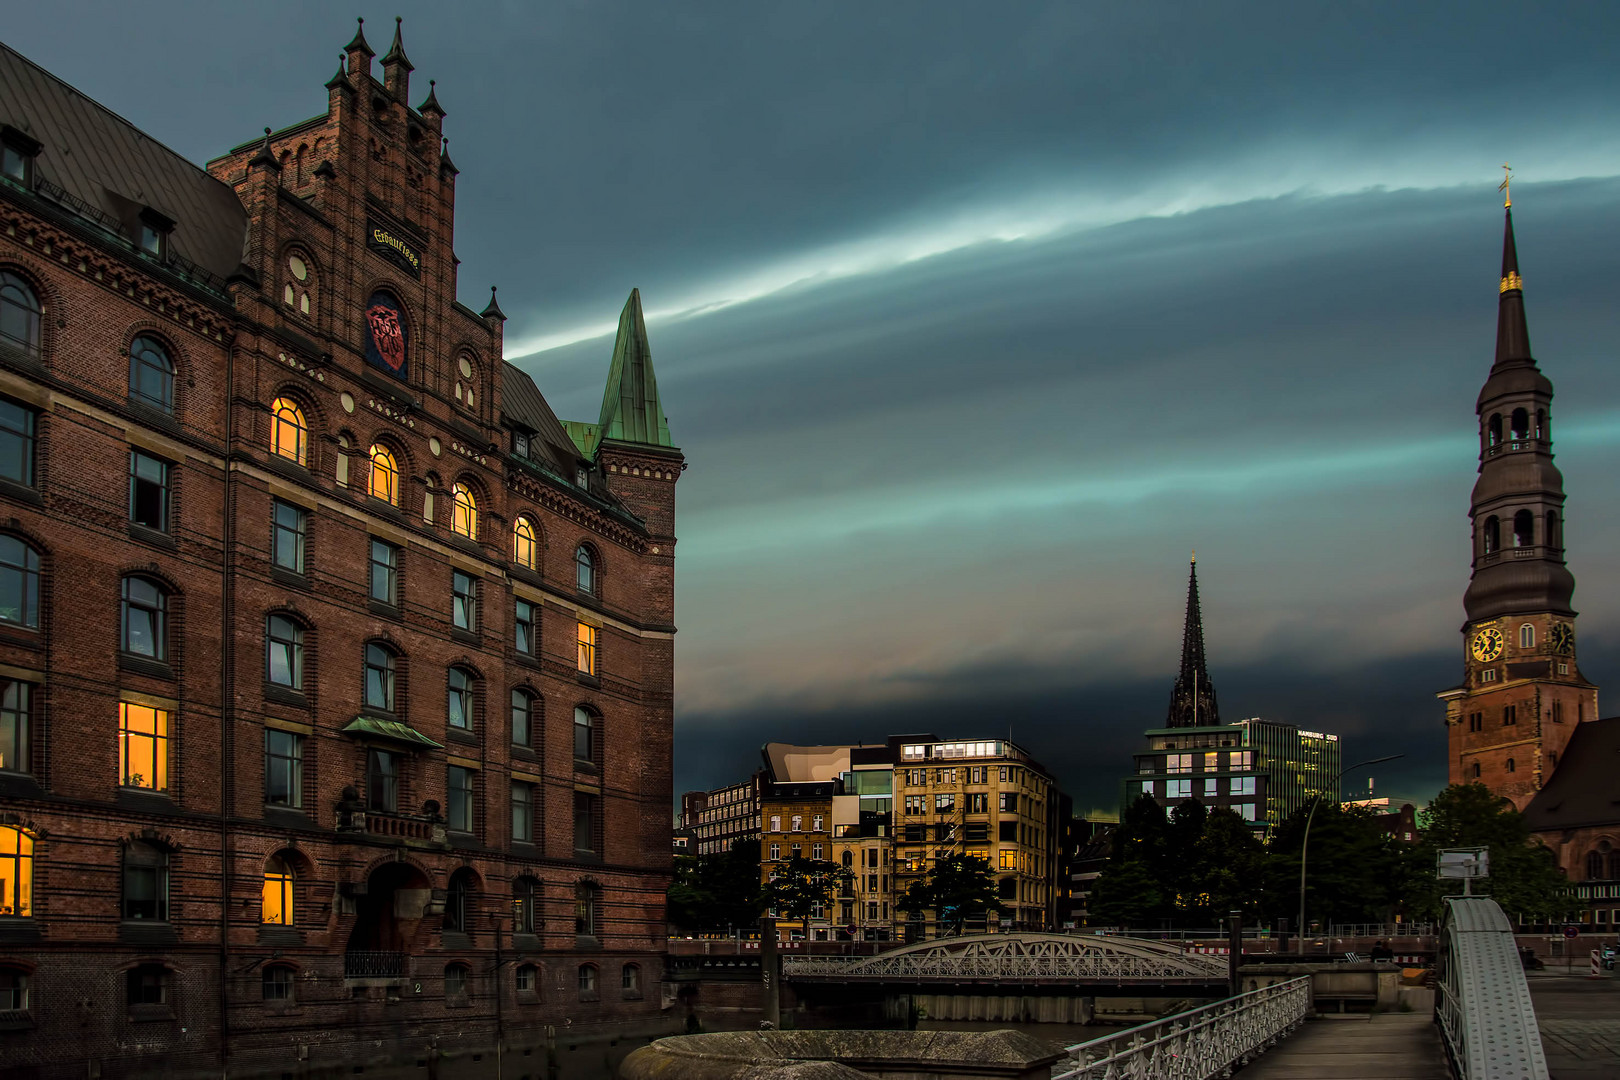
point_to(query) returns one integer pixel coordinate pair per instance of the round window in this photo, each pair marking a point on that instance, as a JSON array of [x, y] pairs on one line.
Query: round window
[[466, 368], [299, 270]]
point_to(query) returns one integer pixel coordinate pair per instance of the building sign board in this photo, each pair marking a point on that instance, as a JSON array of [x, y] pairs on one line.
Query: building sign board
[[380, 238]]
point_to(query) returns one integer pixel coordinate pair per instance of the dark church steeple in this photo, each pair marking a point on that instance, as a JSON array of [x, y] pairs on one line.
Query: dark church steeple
[[1192, 701]]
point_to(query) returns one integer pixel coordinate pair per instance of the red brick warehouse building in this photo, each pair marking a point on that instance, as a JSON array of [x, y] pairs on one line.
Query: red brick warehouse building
[[336, 673]]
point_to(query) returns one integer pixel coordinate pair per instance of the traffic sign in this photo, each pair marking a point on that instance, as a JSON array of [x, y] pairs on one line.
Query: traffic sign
[[1572, 931]]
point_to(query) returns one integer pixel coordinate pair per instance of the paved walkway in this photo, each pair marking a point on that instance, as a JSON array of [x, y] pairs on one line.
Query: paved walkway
[[1388, 1046], [1580, 1024]]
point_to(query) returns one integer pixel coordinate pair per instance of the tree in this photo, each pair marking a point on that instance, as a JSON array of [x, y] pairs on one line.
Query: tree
[[958, 888], [1352, 865], [799, 885], [1229, 871], [1524, 875], [1126, 894], [716, 893]]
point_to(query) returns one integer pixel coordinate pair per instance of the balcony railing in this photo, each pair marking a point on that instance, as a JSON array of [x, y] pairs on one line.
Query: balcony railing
[[374, 965], [379, 823]]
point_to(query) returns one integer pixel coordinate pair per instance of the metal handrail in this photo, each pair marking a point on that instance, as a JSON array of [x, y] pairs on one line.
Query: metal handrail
[[1198, 1044]]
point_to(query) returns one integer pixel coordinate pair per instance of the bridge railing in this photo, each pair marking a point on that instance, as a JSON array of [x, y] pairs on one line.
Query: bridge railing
[[1010, 969], [1195, 1045], [1482, 1002]]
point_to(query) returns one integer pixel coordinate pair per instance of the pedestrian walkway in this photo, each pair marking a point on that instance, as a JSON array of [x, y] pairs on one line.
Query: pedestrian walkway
[[1580, 1024], [1388, 1046]]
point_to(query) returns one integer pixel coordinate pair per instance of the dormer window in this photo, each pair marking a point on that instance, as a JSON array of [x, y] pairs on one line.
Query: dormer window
[[152, 233], [17, 153], [520, 444], [582, 477]]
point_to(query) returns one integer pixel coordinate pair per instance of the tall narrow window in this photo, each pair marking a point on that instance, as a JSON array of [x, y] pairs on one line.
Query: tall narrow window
[[382, 780], [584, 735], [587, 982], [463, 601], [461, 799], [457, 901], [16, 872], [16, 725], [385, 573], [525, 550], [1510, 766], [384, 483], [525, 899], [285, 652], [145, 618], [151, 374], [289, 434], [522, 718], [1523, 529], [143, 747], [20, 312], [1527, 636], [630, 980], [585, 822], [464, 515], [585, 913], [1493, 534], [585, 570], [1493, 430], [523, 628], [587, 649], [459, 706], [379, 678], [1520, 422], [19, 583], [148, 491], [146, 882], [522, 812], [276, 899], [283, 768], [287, 540], [147, 984], [16, 443], [1555, 537]]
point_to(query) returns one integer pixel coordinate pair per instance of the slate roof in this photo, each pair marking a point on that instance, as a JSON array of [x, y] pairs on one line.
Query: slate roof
[[523, 404], [1583, 790], [103, 160]]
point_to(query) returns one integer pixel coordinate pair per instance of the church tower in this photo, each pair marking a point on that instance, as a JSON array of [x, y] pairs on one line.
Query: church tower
[[1192, 700], [1522, 692]]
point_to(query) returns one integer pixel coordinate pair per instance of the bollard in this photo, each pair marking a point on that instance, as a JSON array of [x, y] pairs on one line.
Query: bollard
[[1597, 966]]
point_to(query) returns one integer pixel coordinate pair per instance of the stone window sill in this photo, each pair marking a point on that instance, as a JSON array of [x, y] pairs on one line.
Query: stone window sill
[[285, 695], [154, 537], [143, 1014], [145, 665]]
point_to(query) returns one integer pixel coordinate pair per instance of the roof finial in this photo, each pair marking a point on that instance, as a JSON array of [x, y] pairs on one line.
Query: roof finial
[[1507, 178], [1194, 556], [493, 311], [359, 42], [265, 155]]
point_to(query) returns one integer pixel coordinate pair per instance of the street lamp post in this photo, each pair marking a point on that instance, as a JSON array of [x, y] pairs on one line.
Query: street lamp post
[[1304, 843]]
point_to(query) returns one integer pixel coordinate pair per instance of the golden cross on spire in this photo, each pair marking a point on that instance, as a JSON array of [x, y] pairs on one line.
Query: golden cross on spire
[[1507, 178]]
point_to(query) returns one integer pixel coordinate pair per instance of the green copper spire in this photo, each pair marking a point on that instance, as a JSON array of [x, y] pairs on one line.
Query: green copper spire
[[631, 411]]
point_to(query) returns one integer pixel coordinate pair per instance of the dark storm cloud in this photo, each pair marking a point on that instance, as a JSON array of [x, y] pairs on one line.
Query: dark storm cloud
[[973, 319]]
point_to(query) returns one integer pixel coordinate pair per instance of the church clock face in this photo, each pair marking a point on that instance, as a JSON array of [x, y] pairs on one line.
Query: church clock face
[[1563, 639], [1487, 645]]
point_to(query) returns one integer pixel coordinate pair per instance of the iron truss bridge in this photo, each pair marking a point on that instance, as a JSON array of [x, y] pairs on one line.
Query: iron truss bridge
[[1017, 959]]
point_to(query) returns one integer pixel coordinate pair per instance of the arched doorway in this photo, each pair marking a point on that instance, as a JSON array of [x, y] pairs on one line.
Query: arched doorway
[[386, 917]]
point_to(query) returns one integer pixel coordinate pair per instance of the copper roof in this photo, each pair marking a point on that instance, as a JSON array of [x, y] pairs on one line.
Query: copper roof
[[104, 161]]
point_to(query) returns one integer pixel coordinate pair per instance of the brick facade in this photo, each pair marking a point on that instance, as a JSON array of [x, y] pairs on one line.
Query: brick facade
[[406, 892]]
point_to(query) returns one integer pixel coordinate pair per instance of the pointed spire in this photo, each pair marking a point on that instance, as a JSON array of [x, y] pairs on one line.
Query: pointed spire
[[445, 164], [431, 105], [1192, 701], [359, 43], [396, 52], [265, 155], [1512, 332], [342, 76], [493, 310], [631, 410]]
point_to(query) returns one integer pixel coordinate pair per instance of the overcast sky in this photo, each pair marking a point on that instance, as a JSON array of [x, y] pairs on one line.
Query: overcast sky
[[974, 319]]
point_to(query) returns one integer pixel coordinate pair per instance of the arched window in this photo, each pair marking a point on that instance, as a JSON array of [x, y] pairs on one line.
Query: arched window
[[384, 483], [587, 982], [525, 898], [1493, 430], [284, 649], [1520, 425], [849, 859], [464, 516], [1511, 767], [13, 989], [16, 872], [379, 677], [630, 980], [145, 630], [1594, 866], [527, 979], [278, 983], [1555, 536], [151, 374], [525, 551], [585, 567], [1527, 636], [19, 582], [20, 313], [459, 707], [522, 718], [1524, 528], [289, 434], [276, 903], [457, 977], [1614, 865], [458, 901], [1475, 771], [146, 882], [300, 287], [1493, 534]]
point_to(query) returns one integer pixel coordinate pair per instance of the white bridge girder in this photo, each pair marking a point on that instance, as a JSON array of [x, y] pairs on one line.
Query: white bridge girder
[[1018, 958]]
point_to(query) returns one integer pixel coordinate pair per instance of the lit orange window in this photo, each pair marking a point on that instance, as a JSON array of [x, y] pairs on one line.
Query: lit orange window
[[384, 475], [289, 434], [587, 649], [143, 747], [524, 548], [16, 872], [465, 518], [277, 905]]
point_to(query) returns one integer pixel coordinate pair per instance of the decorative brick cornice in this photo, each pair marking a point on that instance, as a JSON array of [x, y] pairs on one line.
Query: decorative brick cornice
[[520, 483]]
